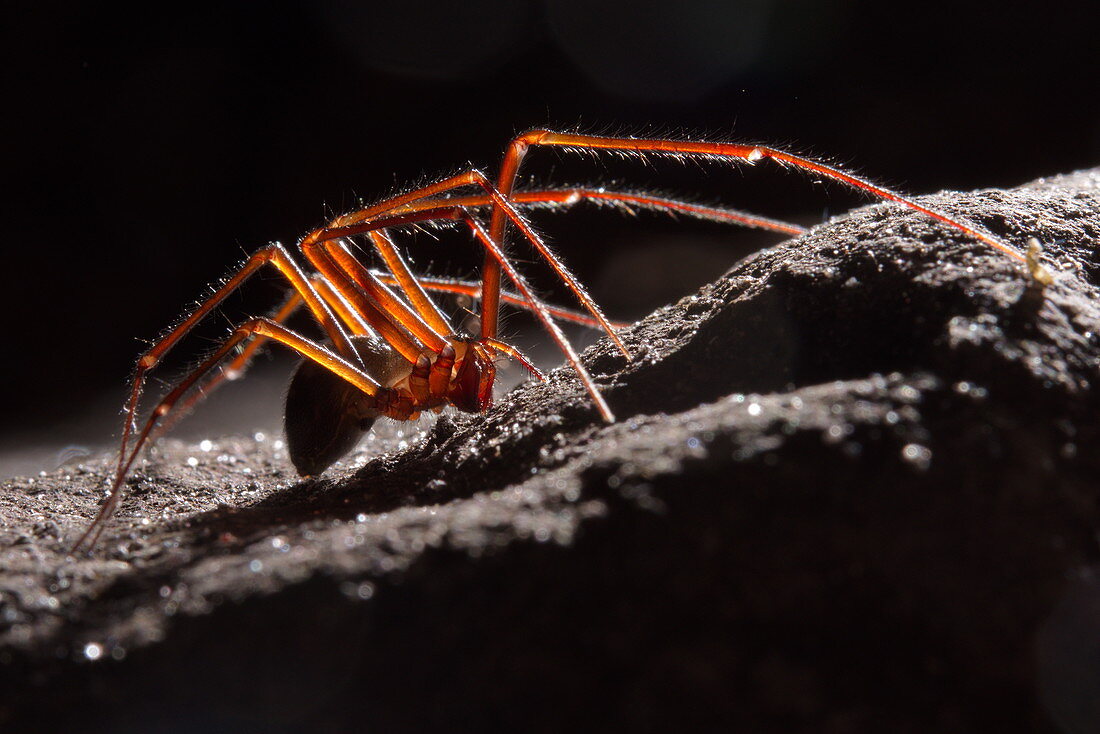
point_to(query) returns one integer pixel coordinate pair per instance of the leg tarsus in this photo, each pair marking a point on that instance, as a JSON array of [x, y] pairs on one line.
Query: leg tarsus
[[254, 327]]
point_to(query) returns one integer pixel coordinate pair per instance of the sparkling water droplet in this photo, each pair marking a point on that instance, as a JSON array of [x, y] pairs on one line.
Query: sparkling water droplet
[[919, 456]]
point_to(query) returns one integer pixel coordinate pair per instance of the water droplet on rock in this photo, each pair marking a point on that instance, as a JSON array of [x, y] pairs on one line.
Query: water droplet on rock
[[920, 457]]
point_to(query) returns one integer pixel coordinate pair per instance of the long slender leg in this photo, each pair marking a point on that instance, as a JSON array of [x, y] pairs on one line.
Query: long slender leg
[[343, 309], [408, 282], [255, 327], [472, 289], [404, 328], [543, 316], [567, 197], [363, 296], [237, 366], [549, 197], [537, 307], [517, 149], [231, 371], [513, 352], [473, 178], [273, 255]]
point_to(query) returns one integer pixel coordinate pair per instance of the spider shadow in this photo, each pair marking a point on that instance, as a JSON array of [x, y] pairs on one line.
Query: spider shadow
[[384, 484], [436, 470]]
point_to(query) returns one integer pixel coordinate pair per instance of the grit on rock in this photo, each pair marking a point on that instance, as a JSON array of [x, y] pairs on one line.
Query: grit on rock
[[852, 488]]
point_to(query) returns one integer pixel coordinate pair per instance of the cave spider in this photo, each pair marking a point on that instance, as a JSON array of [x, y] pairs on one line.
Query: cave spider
[[396, 355]]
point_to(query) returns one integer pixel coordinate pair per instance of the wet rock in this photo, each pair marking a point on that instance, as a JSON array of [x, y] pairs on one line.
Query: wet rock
[[852, 487]]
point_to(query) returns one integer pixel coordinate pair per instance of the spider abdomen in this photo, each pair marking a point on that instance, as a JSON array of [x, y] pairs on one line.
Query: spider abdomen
[[326, 416]]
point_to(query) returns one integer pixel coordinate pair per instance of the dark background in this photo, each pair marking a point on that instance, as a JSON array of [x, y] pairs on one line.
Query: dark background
[[146, 152]]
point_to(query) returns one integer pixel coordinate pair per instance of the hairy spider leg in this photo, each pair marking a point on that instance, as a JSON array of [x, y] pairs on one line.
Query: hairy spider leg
[[517, 149], [408, 282], [513, 352], [472, 289], [474, 177], [537, 307], [370, 284], [415, 285], [273, 255], [469, 288], [254, 327], [240, 363], [402, 328], [420, 201], [567, 197], [563, 198]]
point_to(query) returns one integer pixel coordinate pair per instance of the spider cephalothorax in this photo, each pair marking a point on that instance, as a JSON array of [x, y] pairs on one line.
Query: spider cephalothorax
[[326, 415]]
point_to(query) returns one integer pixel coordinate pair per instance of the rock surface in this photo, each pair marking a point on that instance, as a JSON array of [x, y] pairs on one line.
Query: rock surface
[[851, 489]]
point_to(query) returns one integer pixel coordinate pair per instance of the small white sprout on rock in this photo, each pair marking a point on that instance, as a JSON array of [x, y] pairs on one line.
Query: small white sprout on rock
[[1039, 272]]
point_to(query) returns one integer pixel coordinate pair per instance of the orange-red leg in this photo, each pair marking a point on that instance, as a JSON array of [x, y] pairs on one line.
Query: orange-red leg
[[241, 362], [398, 323], [409, 284], [273, 255], [567, 197], [537, 307], [513, 352], [490, 289], [540, 311], [542, 314], [472, 289], [363, 298], [255, 327], [517, 149]]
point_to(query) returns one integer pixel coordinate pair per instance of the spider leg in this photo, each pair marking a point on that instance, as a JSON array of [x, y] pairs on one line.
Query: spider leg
[[408, 282], [537, 307], [491, 287], [273, 255], [404, 328], [240, 363], [513, 352], [255, 327], [567, 197], [472, 289], [231, 371], [343, 309], [517, 149], [440, 378]]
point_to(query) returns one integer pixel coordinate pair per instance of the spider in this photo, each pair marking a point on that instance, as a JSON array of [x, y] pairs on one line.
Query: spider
[[393, 353]]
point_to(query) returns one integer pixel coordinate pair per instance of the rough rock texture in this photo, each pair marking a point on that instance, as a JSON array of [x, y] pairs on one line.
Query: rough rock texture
[[852, 488]]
